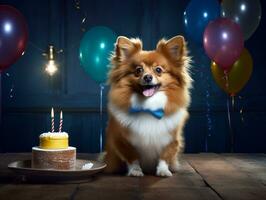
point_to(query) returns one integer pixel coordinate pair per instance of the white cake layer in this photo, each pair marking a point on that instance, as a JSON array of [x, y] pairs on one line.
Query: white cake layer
[[54, 135], [40, 149]]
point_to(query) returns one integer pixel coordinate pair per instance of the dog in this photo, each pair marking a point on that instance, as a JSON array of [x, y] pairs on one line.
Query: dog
[[147, 103]]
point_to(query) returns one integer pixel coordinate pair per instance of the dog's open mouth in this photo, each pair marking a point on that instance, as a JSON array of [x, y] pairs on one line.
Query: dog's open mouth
[[149, 90]]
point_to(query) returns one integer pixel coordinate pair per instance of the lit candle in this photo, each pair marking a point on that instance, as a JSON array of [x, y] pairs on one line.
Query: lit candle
[[52, 118], [61, 121]]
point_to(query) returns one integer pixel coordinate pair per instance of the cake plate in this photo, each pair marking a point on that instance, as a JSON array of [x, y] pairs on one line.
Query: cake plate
[[77, 175]]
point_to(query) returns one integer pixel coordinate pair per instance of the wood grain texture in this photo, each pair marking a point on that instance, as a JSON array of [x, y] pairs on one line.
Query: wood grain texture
[[180, 193], [201, 176], [227, 177], [253, 165], [30, 192]]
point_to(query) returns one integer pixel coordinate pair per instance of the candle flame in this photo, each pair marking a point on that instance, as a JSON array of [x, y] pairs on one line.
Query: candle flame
[[52, 113]]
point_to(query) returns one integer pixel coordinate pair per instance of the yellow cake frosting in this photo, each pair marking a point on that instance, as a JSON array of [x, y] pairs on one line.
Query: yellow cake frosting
[[54, 140]]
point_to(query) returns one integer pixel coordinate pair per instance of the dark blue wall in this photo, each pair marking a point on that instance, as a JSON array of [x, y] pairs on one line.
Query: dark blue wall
[[25, 111]]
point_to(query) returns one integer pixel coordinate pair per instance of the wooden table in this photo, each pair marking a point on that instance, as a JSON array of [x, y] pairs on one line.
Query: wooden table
[[202, 176]]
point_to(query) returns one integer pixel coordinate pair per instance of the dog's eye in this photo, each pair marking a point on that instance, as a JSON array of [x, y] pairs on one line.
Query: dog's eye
[[139, 70], [158, 70]]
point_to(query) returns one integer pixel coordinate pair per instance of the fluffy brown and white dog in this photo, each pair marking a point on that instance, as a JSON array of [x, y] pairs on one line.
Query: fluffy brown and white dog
[[148, 100]]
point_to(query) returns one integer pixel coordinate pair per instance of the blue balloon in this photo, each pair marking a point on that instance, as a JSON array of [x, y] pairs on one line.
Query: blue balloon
[[94, 52], [197, 16]]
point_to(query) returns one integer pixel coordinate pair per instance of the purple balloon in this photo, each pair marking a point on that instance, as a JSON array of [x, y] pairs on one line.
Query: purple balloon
[[223, 42], [13, 36]]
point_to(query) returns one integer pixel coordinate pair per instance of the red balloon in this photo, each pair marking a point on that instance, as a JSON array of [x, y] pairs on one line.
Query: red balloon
[[13, 36], [223, 42]]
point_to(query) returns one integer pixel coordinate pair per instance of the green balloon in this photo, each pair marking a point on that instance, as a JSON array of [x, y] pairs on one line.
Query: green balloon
[[94, 52]]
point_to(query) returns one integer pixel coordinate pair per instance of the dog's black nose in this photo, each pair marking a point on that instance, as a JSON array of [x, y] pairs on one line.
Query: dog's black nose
[[147, 78]]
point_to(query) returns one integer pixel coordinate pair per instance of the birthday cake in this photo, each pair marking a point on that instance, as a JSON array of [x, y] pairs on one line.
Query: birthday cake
[[53, 152]]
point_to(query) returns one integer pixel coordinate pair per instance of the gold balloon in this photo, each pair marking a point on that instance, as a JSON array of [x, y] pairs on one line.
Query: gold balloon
[[237, 77]]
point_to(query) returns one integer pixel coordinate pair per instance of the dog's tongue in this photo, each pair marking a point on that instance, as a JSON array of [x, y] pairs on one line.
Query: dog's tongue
[[149, 92]]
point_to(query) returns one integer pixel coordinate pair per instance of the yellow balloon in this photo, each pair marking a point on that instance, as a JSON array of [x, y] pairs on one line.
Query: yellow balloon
[[237, 77]]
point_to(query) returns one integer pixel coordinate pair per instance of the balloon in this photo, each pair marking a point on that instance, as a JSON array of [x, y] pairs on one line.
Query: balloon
[[13, 36], [197, 16], [246, 13], [94, 52], [223, 42], [237, 77]]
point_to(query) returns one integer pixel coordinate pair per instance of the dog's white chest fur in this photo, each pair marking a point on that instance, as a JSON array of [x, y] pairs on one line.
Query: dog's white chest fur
[[149, 135]]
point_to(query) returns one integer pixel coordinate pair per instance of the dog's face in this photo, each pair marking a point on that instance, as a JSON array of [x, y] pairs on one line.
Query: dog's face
[[149, 71], [146, 72]]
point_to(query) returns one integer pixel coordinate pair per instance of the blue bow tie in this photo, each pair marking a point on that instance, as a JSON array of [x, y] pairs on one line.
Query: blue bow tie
[[159, 113]]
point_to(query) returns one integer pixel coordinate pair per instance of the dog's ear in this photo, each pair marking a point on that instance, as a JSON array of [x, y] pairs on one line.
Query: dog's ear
[[175, 48], [125, 48]]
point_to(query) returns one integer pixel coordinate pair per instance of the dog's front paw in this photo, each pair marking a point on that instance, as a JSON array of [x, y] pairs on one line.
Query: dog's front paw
[[163, 172], [135, 172], [162, 169], [134, 169]]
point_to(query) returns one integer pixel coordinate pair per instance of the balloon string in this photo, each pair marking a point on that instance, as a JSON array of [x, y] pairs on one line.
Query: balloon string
[[241, 111], [226, 79], [233, 101], [101, 116], [230, 126]]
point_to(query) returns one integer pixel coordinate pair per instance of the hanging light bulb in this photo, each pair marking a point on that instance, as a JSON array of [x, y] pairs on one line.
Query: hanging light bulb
[[51, 66]]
